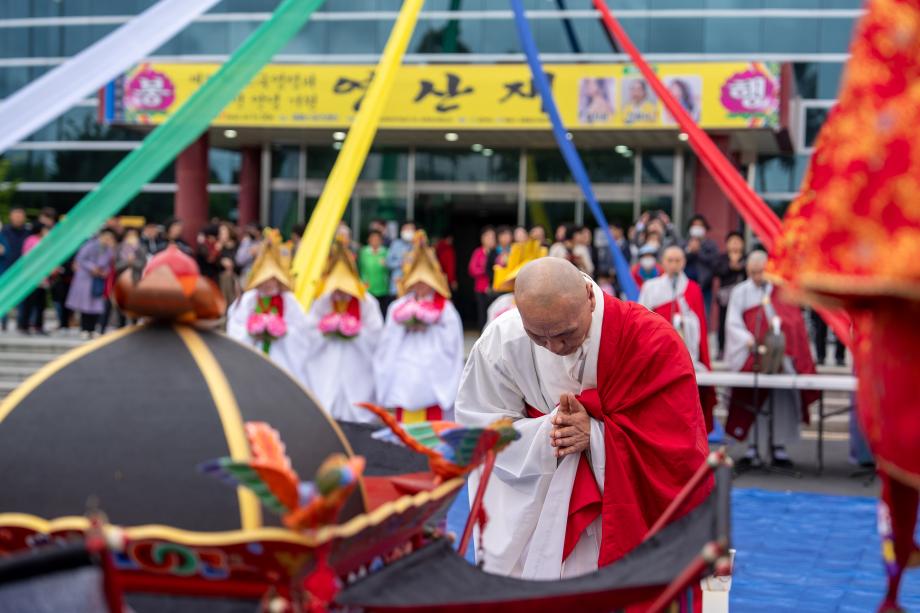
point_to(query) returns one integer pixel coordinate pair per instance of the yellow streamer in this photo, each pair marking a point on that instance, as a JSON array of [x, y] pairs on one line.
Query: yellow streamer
[[314, 248]]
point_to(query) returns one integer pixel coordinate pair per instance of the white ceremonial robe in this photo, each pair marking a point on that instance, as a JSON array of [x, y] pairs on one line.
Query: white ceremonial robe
[[290, 351], [665, 289], [786, 403], [339, 371], [504, 302], [527, 498], [418, 369]]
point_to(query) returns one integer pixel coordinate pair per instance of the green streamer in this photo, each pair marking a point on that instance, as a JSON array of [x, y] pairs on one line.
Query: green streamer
[[159, 148]]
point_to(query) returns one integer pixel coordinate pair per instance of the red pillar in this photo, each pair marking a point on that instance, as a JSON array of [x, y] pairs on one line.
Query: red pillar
[[711, 203], [250, 181], [191, 205]]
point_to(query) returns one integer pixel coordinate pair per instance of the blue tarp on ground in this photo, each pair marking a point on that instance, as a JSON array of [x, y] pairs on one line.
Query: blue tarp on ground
[[798, 552]]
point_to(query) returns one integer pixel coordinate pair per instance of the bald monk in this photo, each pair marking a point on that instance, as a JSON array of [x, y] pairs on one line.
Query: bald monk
[[604, 395]]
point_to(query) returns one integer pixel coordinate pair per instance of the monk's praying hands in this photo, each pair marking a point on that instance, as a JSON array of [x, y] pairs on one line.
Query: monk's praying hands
[[571, 427]]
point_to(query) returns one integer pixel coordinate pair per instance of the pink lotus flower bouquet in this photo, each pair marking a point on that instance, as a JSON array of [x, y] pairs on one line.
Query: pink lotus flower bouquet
[[340, 325], [416, 314], [266, 327]]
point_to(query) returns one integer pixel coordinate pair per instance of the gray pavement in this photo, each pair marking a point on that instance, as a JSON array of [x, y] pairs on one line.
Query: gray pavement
[[839, 477]]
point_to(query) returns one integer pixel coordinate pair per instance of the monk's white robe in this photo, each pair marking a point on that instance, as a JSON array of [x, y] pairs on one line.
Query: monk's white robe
[[527, 498], [786, 403], [504, 302], [666, 289], [340, 371], [290, 351], [418, 369]]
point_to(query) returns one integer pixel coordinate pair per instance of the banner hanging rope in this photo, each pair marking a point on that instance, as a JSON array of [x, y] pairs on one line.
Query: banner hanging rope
[[567, 148], [317, 240], [755, 212], [54, 92], [159, 148]]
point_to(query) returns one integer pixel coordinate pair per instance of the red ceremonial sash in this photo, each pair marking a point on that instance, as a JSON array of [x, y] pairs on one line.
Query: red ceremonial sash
[[585, 502], [654, 438], [741, 405], [694, 297]]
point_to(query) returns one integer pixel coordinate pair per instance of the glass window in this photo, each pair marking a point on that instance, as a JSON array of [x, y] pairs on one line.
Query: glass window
[[682, 35], [547, 166], [657, 168], [814, 119], [105, 7], [285, 160], [83, 165], [614, 212], [60, 201], [320, 161], [608, 166], [779, 206], [197, 39], [223, 206], [243, 6], [440, 36], [15, 78], [790, 35], [485, 166], [157, 207], [76, 39], [29, 165], [835, 35], [657, 203], [731, 35], [550, 215], [781, 173], [806, 79], [385, 164], [829, 76], [386, 209], [224, 165], [282, 212], [15, 42]]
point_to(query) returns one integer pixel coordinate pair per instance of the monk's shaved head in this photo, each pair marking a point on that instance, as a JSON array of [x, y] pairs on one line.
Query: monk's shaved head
[[555, 301], [673, 260], [548, 280]]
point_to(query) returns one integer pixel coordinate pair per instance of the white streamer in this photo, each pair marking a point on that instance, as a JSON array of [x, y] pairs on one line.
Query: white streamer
[[53, 93]]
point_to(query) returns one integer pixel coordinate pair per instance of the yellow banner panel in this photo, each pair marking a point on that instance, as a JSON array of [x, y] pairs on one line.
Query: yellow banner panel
[[500, 97]]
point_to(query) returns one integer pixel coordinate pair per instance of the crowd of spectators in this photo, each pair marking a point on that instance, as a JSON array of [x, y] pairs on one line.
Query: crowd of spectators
[[79, 290]]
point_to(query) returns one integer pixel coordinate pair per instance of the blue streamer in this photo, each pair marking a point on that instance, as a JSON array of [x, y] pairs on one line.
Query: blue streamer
[[572, 159]]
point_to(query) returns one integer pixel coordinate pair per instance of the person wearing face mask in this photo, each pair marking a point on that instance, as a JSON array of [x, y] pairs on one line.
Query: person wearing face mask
[[603, 394], [680, 301], [702, 257], [267, 316], [396, 255], [647, 267], [344, 324]]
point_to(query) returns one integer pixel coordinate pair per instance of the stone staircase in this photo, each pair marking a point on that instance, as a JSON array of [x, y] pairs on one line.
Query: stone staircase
[[22, 355]]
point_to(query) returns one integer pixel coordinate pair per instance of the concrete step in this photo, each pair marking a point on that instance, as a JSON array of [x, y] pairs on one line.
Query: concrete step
[[33, 359], [6, 387], [16, 373], [14, 342]]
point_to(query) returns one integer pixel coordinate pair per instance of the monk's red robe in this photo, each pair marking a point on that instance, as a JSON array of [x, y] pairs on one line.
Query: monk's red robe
[[741, 405], [694, 297], [654, 437]]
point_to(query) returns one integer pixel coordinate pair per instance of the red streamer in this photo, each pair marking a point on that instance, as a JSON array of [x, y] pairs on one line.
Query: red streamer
[[755, 212]]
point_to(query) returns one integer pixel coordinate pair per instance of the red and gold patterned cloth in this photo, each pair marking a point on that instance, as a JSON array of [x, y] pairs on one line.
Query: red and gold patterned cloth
[[854, 232], [852, 237]]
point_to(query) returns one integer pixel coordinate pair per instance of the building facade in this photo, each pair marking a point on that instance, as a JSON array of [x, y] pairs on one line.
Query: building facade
[[450, 177]]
